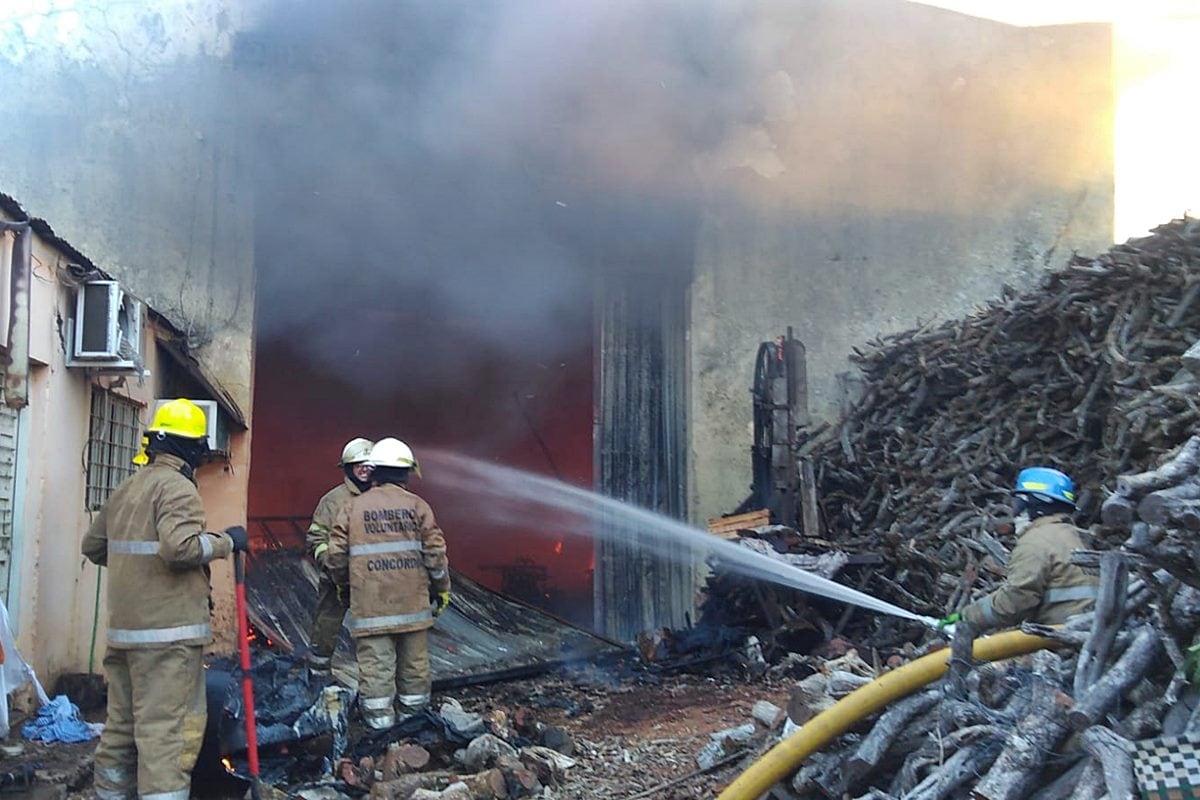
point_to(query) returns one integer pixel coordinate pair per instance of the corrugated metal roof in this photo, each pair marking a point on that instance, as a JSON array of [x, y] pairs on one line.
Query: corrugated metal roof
[[483, 636]]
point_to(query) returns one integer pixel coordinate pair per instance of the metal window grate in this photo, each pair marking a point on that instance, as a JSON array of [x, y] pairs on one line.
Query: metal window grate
[[113, 441]]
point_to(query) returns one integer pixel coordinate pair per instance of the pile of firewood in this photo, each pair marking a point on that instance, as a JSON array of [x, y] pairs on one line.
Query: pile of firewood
[[1086, 374], [1061, 723]]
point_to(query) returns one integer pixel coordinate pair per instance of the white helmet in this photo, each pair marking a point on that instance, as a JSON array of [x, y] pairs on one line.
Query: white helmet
[[356, 451], [391, 452]]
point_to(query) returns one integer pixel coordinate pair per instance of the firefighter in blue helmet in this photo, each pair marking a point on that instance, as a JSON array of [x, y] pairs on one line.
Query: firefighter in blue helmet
[[1042, 585]]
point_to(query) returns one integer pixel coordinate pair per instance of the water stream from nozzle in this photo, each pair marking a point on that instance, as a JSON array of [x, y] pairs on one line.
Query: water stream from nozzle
[[510, 493]]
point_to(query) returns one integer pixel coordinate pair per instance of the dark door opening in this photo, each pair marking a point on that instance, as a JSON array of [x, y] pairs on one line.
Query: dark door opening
[[436, 384]]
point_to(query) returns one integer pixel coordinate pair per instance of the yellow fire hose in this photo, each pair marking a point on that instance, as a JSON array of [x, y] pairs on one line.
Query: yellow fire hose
[[786, 757]]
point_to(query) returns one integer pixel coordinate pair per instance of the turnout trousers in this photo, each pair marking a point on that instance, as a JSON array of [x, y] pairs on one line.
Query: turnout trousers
[[155, 723], [327, 623], [393, 670]]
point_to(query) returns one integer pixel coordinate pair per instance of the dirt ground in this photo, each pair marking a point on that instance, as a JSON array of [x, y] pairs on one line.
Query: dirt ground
[[630, 736], [637, 735]]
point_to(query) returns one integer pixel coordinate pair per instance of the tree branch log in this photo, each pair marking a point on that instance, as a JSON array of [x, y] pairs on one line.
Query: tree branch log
[[1114, 755]]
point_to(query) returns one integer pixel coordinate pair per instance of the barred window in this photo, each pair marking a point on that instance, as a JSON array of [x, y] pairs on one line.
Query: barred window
[[113, 441]]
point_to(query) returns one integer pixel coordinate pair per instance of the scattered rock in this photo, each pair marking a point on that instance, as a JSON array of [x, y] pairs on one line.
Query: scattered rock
[[724, 742], [520, 780], [809, 697], [463, 722], [486, 751], [487, 785], [325, 792], [769, 714], [402, 759], [398, 789], [558, 739], [525, 722], [457, 791], [550, 765]]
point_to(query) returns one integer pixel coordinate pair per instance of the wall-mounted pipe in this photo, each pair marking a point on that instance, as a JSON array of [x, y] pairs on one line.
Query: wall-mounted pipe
[[785, 758], [16, 371]]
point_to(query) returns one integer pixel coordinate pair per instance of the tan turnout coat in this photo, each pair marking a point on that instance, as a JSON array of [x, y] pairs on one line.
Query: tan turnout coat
[[388, 548], [331, 504], [150, 534], [1042, 584]]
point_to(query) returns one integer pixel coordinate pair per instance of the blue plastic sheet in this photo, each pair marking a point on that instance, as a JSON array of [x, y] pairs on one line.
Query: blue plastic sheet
[[58, 721]]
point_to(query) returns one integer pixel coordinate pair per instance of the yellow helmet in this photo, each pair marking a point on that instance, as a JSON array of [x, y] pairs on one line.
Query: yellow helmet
[[142, 458], [181, 418]]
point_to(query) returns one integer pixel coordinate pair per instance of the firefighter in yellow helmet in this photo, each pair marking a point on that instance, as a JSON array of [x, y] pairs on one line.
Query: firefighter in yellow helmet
[[150, 534], [387, 547], [332, 603]]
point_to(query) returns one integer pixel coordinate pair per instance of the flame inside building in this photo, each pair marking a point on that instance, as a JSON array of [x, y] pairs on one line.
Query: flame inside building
[[435, 268]]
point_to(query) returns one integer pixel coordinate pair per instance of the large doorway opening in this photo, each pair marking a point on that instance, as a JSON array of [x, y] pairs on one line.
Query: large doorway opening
[[440, 384]]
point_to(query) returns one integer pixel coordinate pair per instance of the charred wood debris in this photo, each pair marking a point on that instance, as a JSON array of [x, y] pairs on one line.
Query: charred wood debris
[[1097, 373]]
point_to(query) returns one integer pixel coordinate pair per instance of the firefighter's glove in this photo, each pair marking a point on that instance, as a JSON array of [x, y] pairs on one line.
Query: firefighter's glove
[[241, 541], [319, 552], [440, 603], [950, 620], [1191, 663]]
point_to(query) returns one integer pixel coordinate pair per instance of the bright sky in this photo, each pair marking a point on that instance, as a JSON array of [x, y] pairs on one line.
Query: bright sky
[[1156, 75], [1061, 12]]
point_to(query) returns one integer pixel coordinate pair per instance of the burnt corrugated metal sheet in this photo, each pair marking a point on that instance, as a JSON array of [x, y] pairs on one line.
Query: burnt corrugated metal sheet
[[482, 636], [641, 450]]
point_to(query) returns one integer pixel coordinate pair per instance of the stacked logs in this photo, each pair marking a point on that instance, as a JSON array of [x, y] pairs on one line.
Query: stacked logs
[[1086, 374], [1059, 725]]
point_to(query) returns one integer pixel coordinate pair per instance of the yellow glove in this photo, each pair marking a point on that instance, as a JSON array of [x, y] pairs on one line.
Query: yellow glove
[[319, 551], [442, 603]]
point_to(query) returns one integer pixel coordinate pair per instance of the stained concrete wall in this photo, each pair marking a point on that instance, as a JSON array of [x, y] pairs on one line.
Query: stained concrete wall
[[51, 589], [120, 126], [906, 165]]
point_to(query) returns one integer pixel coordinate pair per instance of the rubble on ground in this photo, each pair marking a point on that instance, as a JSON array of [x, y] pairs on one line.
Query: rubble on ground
[[568, 736]]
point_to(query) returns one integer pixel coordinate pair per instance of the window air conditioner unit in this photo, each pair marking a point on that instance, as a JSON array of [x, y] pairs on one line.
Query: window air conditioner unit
[[218, 424], [106, 331]]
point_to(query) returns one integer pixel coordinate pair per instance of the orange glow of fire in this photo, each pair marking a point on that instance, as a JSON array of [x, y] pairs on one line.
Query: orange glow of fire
[[558, 548]]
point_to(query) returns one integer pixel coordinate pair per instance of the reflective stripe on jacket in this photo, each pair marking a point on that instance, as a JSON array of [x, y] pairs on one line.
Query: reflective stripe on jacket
[[150, 534], [388, 548], [1042, 584], [329, 507]]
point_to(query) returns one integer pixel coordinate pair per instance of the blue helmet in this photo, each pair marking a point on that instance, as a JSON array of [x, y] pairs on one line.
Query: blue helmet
[[1046, 484]]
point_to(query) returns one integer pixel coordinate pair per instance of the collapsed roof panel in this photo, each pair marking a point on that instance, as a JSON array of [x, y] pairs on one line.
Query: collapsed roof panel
[[483, 636]]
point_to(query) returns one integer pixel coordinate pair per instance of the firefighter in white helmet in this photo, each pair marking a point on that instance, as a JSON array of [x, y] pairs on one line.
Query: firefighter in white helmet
[[331, 601], [389, 550]]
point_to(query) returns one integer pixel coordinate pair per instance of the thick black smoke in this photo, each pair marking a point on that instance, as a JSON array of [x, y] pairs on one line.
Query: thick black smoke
[[449, 172]]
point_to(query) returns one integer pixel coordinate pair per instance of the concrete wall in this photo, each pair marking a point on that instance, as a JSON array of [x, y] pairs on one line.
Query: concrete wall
[[120, 126], [907, 164], [52, 589]]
